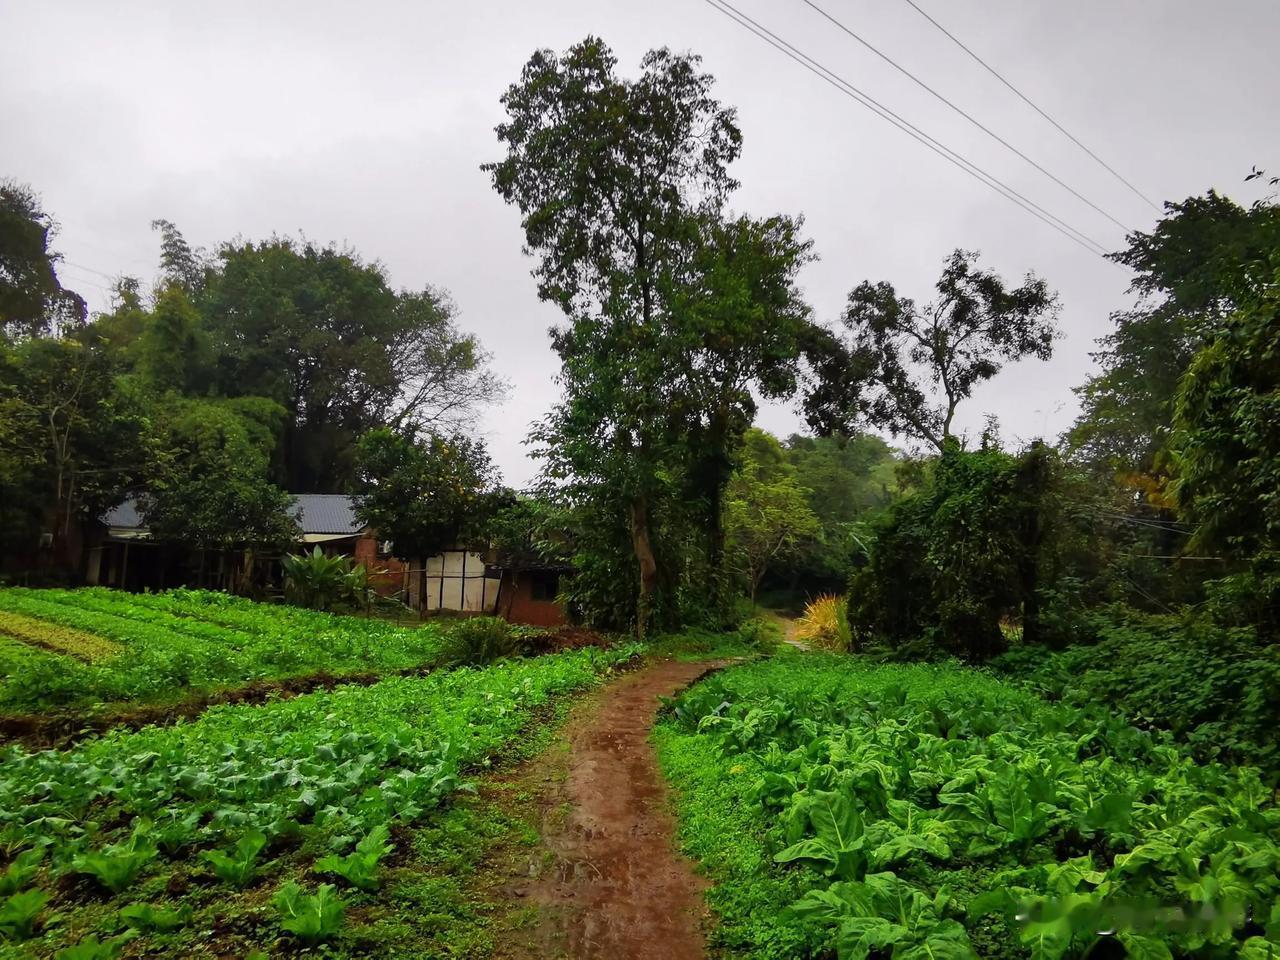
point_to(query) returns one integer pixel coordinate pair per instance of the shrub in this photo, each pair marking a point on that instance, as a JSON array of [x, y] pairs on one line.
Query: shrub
[[760, 634], [479, 640], [825, 624], [1214, 687]]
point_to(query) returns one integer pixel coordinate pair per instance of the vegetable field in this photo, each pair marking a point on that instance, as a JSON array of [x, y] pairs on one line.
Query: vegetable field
[[71, 648], [852, 810], [255, 827]]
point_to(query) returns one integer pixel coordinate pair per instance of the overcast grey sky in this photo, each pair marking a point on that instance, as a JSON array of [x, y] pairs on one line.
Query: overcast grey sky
[[366, 124]]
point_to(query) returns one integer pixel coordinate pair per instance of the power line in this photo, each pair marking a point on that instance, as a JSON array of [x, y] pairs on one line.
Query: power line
[[968, 116], [849, 90], [1027, 100], [101, 273]]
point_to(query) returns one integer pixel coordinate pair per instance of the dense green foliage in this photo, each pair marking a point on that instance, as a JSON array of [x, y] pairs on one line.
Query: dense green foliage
[[676, 317], [187, 641], [32, 300], [1215, 687], [237, 379], [985, 541], [932, 811], [424, 494], [248, 796]]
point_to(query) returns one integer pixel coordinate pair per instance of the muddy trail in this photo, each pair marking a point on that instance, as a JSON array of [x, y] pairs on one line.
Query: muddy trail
[[607, 881]]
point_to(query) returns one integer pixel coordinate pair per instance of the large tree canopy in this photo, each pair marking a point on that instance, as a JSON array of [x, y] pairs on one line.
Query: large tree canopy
[[1186, 272], [32, 300], [907, 367], [425, 493], [673, 314], [322, 333]]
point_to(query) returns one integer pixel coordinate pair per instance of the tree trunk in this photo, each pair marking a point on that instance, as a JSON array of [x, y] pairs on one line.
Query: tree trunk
[[645, 561]]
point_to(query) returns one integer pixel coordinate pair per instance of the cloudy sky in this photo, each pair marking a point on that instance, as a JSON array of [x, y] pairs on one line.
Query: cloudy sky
[[366, 124]]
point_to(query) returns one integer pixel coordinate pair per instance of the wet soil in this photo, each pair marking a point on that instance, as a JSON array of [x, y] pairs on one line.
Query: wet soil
[[607, 880]]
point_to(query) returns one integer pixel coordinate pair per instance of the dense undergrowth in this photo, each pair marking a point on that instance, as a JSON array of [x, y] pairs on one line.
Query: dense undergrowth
[[161, 647], [1216, 688], [254, 826], [849, 809]]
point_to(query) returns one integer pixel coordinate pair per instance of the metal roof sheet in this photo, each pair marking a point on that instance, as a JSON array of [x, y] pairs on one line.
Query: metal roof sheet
[[320, 513]]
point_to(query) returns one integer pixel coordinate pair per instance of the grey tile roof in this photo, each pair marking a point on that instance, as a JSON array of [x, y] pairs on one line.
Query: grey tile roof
[[321, 513]]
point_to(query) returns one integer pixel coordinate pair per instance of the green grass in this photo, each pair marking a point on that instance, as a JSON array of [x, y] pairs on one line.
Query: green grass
[[312, 774], [185, 642], [923, 808]]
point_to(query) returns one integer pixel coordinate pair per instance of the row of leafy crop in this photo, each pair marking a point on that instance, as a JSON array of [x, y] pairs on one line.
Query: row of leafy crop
[[182, 641], [153, 832], [933, 811]]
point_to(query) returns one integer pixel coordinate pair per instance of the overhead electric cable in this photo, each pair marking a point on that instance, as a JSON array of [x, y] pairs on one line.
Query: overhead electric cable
[[849, 90], [1028, 101], [968, 116]]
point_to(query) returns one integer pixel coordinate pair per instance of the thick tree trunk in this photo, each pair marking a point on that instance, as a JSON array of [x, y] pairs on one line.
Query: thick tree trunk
[[646, 562]]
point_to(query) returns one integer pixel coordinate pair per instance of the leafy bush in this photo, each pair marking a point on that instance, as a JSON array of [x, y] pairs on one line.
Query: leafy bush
[[825, 624], [759, 633], [1215, 687], [990, 538], [318, 582], [90, 948], [117, 865], [237, 867], [149, 917], [476, 641], [19, 913]]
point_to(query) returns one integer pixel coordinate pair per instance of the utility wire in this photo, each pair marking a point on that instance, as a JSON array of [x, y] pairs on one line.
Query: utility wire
[[1027, 100], [849, 90], [101, 273], [968, 116]]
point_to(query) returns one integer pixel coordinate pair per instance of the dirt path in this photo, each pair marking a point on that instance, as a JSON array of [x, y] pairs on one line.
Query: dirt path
[[607, 881], [788, 626]]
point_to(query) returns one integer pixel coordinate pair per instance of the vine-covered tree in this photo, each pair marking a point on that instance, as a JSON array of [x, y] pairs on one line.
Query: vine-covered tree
[[672, 313], [1227, 445], [906, 368]]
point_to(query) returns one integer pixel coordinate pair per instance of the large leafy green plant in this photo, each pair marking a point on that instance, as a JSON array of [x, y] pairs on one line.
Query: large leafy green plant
[[313, 917]]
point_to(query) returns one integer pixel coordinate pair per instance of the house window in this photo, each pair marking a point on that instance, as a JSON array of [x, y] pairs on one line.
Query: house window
[[544, 587]]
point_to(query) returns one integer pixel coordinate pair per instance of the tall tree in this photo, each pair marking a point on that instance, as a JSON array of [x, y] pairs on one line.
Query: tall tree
[[610, 176], [1185, 279], [321, 332], [907, 368], [32, 300], [209, 488], [675, 315], [736, 330], [1227, 443], [73, 442]]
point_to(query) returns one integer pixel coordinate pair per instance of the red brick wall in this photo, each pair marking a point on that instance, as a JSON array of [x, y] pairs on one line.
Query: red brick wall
[[366, 552], [517, 604]]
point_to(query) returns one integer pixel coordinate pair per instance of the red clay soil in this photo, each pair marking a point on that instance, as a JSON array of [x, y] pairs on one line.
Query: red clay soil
[[617, 888]]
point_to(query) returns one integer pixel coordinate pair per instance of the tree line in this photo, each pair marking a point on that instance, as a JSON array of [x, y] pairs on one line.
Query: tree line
[[283, 365]]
